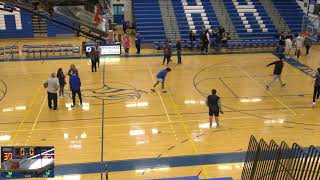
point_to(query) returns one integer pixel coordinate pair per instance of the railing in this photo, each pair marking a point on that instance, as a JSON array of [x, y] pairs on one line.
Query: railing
[[229, 23], [277, 16], [172, 30], [280, 162]]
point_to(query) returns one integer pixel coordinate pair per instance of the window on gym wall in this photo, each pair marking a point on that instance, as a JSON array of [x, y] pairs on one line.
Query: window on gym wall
[[118, 13]]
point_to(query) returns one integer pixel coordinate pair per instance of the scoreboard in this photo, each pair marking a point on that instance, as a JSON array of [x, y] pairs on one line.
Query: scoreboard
[[27, 161]]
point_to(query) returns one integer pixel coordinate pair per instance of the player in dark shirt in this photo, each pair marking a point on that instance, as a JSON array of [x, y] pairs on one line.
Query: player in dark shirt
[[214, 104], [278, 66], [316, 91]]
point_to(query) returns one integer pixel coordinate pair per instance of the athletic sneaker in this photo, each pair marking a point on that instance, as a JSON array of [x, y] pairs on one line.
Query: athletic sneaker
[[72, 105], [283, 85], [153, 90], [313, 104], [267, 87], [164, 91]]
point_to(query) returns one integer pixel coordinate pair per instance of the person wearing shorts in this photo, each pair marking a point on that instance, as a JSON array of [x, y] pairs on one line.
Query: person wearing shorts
[[161, 76], [214, 105]]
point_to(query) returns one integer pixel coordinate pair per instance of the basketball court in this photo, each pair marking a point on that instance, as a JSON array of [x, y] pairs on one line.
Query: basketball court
[[138, 125]]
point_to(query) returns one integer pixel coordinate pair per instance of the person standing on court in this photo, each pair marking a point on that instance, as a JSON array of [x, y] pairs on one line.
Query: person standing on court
[[62, 81], [299, 43], [138, 42], [278, 66], [307, 44], [73, 70], [316, 90], [214, 104], [75, 85], [167, 52], [205, 41], [179, 50], [53, 85], [126, 44], [94, 56], [161, 77]]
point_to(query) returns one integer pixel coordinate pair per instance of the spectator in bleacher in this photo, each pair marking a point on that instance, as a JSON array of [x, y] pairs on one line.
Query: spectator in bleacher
[[299, 44], [192, 38], [73, 70], [167, 52], [179, 50], [126, 44], [124, 26], [62, 81], [205, 41], [288, 46], [94, 56], [307, 44], [138, 42]]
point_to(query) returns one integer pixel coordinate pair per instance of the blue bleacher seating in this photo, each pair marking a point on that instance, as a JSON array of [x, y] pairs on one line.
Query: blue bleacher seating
[[148, 20], [291, 13], [196, 17], [252, 19]]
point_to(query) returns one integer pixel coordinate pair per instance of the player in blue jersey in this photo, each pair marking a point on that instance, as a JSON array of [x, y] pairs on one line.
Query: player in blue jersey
[[161, 76]]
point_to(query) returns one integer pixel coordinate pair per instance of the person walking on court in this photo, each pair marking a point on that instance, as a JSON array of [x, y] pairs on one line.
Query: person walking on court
[[205, 41], [75, 85], [161, 77], [138, 43], [179, 50], [94, 56], [288, 47], [73, 70], [316, 90], [214, 104], [62, 81], [167, 52], [53, 85], [278, 66]]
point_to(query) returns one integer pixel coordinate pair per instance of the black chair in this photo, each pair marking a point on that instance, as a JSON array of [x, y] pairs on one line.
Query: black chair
[[56, 49], [15, 51], [69, 49], [26, 50]]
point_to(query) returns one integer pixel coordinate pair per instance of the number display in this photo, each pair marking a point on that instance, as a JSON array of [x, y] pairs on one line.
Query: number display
[[22, 152], [31, 151], [7, 156]]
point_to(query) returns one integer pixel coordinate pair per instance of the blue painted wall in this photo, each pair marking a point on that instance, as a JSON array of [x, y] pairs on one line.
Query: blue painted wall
[[11, 30], [54, 29]]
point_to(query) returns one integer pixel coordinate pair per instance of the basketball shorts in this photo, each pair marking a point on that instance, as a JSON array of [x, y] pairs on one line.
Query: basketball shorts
[[214, 112], [160, 80]]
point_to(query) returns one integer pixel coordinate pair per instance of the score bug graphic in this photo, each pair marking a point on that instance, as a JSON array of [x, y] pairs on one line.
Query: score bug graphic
[[27, 162]]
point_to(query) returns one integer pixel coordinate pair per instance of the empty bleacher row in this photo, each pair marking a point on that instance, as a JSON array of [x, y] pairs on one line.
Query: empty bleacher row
[[291, 13], [148, 20], [250, 19], [194, 15], [39, 51]]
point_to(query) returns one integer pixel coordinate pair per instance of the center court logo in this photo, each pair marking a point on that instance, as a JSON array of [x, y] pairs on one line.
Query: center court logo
[[113, 92]]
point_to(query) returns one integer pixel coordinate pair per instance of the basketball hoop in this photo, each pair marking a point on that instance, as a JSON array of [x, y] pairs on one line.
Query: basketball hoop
[[306, 34]]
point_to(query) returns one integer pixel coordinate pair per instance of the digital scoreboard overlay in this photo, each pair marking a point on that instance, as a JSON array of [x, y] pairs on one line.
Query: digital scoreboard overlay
[[27, 162]]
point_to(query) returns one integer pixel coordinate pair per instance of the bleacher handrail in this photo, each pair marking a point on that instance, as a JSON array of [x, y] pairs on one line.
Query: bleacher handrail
[[273, 161]]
